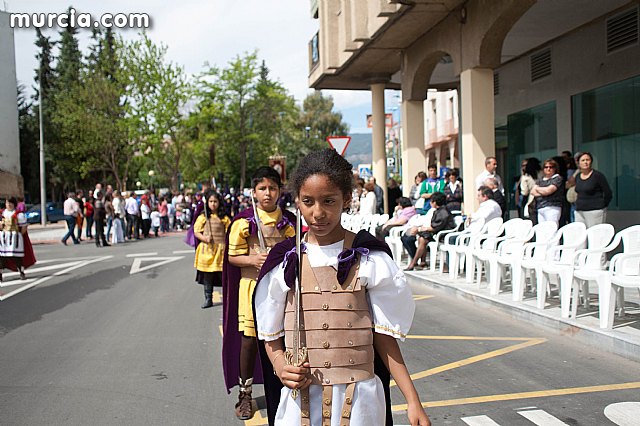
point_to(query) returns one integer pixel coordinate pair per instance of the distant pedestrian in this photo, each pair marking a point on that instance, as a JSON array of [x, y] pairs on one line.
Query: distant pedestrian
[[132, 210], [88, 215], [163, 211], [80, 217], [549, 193], [156, 221], [377, 189], [99, 217], [71, 212], [145, 215], [490, 170]]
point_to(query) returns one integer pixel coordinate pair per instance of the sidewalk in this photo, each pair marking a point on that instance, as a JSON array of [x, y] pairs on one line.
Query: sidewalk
[[52, 233], [623, 339]]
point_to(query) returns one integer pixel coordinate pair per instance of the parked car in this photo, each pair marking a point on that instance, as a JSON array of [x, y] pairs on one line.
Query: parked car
[[55, 213]]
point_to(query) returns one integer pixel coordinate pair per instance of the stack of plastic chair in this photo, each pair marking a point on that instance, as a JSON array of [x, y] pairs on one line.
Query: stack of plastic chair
[[623, 269], [516, 233], [395, 243], [448, 247], [535, 256], [597, 237], [468, 243], [433, 246], [560, 258], [511, 254]]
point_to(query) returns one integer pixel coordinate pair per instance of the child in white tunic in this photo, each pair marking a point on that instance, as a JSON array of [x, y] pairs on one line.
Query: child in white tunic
[[322, 185]]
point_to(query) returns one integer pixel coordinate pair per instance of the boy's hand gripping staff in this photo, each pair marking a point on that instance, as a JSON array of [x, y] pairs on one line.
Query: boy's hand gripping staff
[[298, 355], [263, 246]]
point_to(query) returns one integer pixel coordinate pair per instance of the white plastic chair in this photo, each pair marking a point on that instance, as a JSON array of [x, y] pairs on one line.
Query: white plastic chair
[[510, 255], [395, 243], [517, 232], [630, 239], [488, 249], [598, 237], [558, 257], [448, 247], [468, 243], [433, 246], [624, 272], [535, 256]]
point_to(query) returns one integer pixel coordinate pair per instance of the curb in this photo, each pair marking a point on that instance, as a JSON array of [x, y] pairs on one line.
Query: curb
[[605, 340]]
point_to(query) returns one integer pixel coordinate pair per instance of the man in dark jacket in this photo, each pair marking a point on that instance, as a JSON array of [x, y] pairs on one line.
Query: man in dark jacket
[[497, 195], [442, 219]]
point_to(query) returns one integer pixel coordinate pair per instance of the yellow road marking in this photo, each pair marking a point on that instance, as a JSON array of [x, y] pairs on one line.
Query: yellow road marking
[[523, 395], [477, 358], [257, 418], [422, 297]]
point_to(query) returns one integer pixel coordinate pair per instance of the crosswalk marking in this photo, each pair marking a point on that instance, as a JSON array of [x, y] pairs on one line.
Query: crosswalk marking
[[192, 251], [38, 281], [153, 253], [623, 413], [158, 261], [479, 421], [541, 418]]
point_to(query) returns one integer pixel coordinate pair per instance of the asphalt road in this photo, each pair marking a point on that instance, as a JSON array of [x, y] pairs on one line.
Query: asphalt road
[[115, 336]]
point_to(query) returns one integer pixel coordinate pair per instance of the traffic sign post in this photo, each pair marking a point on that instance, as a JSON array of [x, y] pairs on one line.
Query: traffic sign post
[[339, 143]]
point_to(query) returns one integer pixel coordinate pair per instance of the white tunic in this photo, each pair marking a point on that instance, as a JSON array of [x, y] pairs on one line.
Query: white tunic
[[12, 242], [392, 307]]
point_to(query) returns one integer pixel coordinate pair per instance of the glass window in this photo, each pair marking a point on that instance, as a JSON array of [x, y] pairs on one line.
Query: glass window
[[606, 122], [530, 133]]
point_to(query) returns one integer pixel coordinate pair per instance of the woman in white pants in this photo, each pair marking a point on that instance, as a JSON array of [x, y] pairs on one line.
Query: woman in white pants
[[548, 193]]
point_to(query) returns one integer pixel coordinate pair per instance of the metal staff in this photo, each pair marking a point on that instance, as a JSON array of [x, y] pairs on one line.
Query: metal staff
[[298, 357], [263, 246]]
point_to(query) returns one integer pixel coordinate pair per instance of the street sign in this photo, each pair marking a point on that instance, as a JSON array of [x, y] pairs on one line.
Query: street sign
[[364, 170], [339, 143]]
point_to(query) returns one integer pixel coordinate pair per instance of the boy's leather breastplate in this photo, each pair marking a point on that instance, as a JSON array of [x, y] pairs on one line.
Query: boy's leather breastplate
[[336, 325], [272, 236]]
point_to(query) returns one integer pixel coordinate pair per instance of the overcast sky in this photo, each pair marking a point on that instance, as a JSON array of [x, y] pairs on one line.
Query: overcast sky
[[197, 31]]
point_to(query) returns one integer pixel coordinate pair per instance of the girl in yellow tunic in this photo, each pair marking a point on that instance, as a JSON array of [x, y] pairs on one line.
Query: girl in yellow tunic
[[210, 229]]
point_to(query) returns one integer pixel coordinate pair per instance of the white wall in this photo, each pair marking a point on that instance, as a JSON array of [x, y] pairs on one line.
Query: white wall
[[9, 136]]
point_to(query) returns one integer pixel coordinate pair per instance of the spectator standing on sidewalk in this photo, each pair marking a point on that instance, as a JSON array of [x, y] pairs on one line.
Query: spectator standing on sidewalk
[[132, 211], [80, 217], [99, 216], [377, 189], [490, 168], [110, 211], [145, 215], [594, 193], [118, 220], [88, 214], [163, 210], [71, 213], [156, 221]]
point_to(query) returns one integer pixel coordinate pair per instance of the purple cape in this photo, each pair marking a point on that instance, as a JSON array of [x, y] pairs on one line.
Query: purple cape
[[272, 385], [232, 338]]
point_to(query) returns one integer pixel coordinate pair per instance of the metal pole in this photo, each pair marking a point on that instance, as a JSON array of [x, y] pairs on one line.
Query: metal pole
[[43, 189]]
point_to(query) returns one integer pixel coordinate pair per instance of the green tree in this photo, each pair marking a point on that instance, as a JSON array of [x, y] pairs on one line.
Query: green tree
[[156, 93], [29, 144], [244, 115], [321, 120]]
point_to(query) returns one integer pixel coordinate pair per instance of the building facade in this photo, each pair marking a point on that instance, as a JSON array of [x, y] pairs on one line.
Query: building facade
[[534, 77], [10, 179]]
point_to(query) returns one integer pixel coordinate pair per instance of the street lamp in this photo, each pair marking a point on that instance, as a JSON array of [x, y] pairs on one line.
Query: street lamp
[[138, 184], [151, 173]]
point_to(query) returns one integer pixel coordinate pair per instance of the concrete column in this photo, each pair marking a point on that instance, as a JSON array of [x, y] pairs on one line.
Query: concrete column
[[413, 157], [477, 128], [379, 161]]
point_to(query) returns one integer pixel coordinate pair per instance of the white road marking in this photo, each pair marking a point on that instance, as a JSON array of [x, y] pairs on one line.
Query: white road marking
[[159, 261], [142, 254], [541, 418], [44, 268], [47, 278], [623, 413], [192, 251], [479, 421]]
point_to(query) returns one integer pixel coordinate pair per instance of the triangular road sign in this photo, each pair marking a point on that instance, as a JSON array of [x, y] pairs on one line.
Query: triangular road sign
[[158, 261], [339, 143]]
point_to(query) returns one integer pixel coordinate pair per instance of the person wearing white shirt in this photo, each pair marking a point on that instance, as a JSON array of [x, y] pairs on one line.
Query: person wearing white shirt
[[132, 210], [488, 208], [490, 167]]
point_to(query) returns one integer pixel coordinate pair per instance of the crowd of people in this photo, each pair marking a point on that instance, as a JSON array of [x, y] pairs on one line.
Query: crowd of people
[[561, 189]]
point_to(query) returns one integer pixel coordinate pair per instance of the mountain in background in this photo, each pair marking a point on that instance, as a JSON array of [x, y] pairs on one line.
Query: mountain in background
[[359, 149]]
